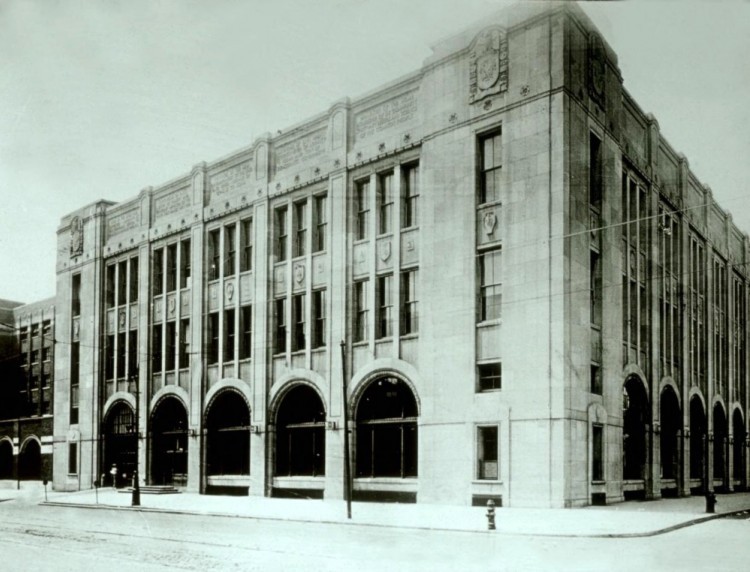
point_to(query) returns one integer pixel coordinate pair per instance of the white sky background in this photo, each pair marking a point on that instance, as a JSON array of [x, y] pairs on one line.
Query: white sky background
[[101, 99]]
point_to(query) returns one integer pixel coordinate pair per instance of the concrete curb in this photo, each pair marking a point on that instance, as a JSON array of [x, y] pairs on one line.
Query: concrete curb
[[657, 532]]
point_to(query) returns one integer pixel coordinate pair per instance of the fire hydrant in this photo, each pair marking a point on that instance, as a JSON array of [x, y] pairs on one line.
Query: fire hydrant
[[490, 515], [711, 502]]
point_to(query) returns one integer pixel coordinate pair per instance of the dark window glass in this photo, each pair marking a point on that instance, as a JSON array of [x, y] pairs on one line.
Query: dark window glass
[[76, 295], [321, 223], [122, 282], [214, 254], [409, 309], [170, 346], [230, 250], [110, 286], [280, 320], [491, 168], [246, 331], [487, 454], [184, 349], [171, 267], [298, 312], [319, 318], [72, 458], [490, 285], [156, 340], [158, 271], [361, 305], [595, 171], [122, 354], [385, 307], [300, 228], [281, 233], [385, 203], [246, 263], [109, 361], [185, 267], [597, 457], [133, 279], [490, 376], [213, 338], [410, 197], [363, 209], [229, 335]]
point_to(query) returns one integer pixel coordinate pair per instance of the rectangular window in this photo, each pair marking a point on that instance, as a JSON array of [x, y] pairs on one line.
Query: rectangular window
[[156, 340], [158, 271], [490, 376], [75, 362], [597, 456], [321, 223], [491, 168], [596, 379], [230, 250], [595, 171], [246, 262], [34, 356], [47, 331], [134, 279], [385, 307], [213, 338], [385, 203], [228, 335], [280, 321], [595, 289], [300, 228], [171, 267], [133, 353], [109, 295], [184, 349], [122, 282], [214, 254], [409, 313], [185, 263], [72, 458], [363, 209], [122, 355], [246, 331], [487, 453], [170, 346], [281, 233], [361, 307], [109, 360], [319, 318], [76, 295], [298, 314], [490, 285], [410, 197]]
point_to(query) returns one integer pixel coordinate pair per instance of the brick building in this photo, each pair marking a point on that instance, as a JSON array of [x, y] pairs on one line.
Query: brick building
[[539, 301]]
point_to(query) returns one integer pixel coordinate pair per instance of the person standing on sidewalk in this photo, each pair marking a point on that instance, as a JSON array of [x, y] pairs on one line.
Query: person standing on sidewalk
[[113, 472]]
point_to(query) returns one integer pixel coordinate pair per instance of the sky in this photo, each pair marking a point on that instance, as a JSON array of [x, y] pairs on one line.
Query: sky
[[101, 99]]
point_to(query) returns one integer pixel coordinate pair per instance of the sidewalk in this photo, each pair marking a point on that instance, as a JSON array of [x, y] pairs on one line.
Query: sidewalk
[[630, 519]]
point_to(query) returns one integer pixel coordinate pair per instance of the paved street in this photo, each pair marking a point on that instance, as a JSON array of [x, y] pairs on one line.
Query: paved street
[[34, 537]]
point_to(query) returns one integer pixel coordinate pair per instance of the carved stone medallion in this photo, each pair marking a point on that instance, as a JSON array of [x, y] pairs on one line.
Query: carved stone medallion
[[299, 273], [597, 68], [229, 291], [488, 222], [488, 64], [76, 236]]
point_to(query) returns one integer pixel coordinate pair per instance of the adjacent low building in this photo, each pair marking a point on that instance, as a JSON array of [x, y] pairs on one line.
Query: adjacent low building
[[538, 301]]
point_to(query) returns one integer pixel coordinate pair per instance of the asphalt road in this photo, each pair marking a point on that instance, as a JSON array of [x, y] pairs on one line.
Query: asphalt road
[[38, 538]]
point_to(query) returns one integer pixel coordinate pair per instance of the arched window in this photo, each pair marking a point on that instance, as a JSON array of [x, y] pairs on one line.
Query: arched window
[[170, 443], [720, 442], [120, 440], [697, 438], [6, 460], [300, 434], [30, 461], [671, 421], [635, 418], [228, 435], [386, 420], [738, 434]]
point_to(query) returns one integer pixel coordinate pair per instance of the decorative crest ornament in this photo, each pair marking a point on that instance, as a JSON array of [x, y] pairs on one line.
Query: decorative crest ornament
[[76, 236], [597, 68], [488, 64], [489, 221], [384, 250], [299, 273]]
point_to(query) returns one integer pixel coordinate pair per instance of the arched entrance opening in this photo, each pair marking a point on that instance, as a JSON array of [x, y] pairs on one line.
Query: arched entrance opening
[[6, 460], [228, 435], [635, 420], [720, 445], [120, 448], [169, 443], [738, 452], [30, 461], [671, 421], [697, 445], [300, 434], [386, 419]]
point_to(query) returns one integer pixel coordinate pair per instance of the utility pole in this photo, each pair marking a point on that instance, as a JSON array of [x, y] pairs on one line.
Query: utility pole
[[347, 467], [136, 498]]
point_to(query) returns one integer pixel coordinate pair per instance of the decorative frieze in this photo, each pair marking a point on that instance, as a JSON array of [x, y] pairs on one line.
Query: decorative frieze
[[123, 221], [391, 113], [171, 202], [308, 147], [232, 179]]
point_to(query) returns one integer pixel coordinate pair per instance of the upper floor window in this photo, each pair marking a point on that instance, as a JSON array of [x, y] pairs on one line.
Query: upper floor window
[[281, 233], [171, 267], [134, 279], [319, 318], [490, 285], [363, 208], [487, 453], [300, 228], [385, 203], [158, 271], [185, 263], [230, 250], [361, 308], [321, 223], [490, 168], [410, 197], [385, 306], [246, 262], [409, 314], [122, 282], [214, 254], [246, 332], [595, 171], [76, 295]]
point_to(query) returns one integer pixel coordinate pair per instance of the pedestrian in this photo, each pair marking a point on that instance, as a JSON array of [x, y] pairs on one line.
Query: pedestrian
[[113, 472]]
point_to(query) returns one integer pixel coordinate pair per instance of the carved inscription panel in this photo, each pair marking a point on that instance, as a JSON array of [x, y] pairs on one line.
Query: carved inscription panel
[[122, 222], [302, 149], [398, 110], [171, 202], [232, 179]]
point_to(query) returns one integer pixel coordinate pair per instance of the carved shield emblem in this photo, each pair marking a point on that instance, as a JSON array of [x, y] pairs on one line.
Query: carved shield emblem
[[384, 250], [488, 73], [76, 236], [299, 273], [229, 291], [597, 68], [489, 221]]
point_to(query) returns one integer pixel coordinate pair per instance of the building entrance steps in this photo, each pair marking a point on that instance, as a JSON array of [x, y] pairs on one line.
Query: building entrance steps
[[627, 519]]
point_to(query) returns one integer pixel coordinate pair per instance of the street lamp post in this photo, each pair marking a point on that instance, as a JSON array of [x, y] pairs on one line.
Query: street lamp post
[[347, 467], [136, 498]]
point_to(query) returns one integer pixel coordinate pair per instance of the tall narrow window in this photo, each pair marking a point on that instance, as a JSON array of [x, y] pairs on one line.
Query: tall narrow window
[[75, 306], [75, 362], [298, 313], [385, 203], [487, 453], [158, 284], [246, 262], [171, 267], [122, 282], [213, 338], [281, 233], [361, 307], [491, 168], [280, 321], [319, 318], [490, 285], [156, 341], [597, 453], [300, 228], [121, 355], [246, 331], [409, 314], [134, 279], [410, 197], [110, 285], [72, 458], [109, 358], [230, 250], [185, 263], [184, 349], [595, 171], [321, 223], [132, 352], [595, 289], [385, 306], [171, 340], [214, 254], [363, 209], [228, 335]]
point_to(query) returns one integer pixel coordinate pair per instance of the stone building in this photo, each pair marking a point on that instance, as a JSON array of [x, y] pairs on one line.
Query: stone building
[[539, 301], [26, 389]]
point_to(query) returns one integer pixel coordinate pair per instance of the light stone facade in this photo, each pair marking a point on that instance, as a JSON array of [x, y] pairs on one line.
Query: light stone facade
[[540, 79]]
